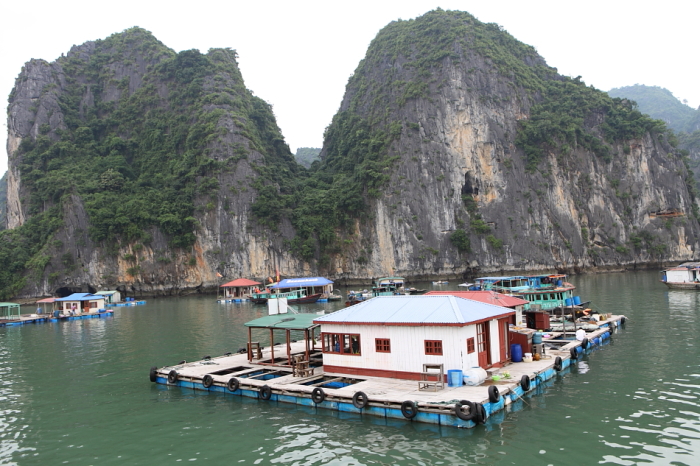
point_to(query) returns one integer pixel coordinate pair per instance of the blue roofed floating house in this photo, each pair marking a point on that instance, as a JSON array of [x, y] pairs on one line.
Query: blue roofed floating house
[[394, 336], [81, 303], [299, 290]]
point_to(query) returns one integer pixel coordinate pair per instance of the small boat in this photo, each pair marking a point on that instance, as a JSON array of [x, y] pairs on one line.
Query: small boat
[[441, 282], [414, 291], [549, 293], [334, 297], [388, 286], [685, 276]]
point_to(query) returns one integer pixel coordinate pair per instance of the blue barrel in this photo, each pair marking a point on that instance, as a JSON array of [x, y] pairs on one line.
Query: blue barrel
[[454, 378], [558, 282], [577, 300], [56, 313], [516, 352], [567, 302], [537, 338]]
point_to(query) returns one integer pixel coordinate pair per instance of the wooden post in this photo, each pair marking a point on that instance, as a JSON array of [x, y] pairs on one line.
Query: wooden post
[[250, 340], [272, 346]]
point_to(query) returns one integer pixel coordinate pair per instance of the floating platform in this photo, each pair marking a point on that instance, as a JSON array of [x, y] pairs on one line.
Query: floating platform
[[455, 406], [231, 300], [38, 318], [128, 303]]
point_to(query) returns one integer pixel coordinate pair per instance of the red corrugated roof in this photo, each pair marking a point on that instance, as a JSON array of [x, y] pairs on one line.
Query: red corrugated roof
[[488, 297], [46, 300], [241, 282]]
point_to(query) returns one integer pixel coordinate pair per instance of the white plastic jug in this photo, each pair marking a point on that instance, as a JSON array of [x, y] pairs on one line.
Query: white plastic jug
[[474, 376]]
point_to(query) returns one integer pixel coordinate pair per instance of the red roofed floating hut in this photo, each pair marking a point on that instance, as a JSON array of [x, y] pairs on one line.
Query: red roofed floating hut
[[238, 290]]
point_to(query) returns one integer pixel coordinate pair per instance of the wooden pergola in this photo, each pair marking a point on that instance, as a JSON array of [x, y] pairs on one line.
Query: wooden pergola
[[287, 323]]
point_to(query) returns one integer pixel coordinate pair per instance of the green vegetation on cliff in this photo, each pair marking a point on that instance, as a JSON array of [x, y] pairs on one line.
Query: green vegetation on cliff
[[141, 159], [307, 155]]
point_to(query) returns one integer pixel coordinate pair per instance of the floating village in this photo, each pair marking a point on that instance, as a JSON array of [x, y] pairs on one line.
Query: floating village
[[451, 358]]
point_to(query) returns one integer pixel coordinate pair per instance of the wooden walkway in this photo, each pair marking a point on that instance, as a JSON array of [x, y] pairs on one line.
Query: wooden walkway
[[39, 318]]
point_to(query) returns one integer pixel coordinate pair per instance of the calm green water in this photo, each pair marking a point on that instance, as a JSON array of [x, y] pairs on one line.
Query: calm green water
[[78, 393]]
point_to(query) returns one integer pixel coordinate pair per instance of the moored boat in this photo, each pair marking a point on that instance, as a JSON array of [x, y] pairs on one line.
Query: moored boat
[[685, 276], [547, 292]]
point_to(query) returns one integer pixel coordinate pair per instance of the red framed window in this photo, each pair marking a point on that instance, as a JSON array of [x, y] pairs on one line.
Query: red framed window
[[470, 345], [341, 343], [382, 345], [433, 347]]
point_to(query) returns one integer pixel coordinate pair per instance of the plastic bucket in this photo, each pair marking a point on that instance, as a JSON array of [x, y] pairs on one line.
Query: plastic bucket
[[536, 338], [567, 302], [454, 378], [558, 282], [516, 352], [577, 300]]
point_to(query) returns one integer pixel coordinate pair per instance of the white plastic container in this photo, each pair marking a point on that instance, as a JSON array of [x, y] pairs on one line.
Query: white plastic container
[[474, 376], [527, 357]]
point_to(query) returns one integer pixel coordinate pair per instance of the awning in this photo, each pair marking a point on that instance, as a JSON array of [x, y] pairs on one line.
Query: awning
[[302, 282]]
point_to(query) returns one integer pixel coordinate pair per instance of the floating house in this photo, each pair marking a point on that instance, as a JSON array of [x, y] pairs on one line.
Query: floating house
[[240, 288], [311, 289], [111, 297], [684, 276], [81, 302], [395, 336]]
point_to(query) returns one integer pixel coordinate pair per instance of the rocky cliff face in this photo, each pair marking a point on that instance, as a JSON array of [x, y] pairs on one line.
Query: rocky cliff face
[[92, 123], [187, 176], [457, 167]]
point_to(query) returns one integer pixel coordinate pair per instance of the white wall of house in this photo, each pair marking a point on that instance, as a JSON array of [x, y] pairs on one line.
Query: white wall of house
[[408, 349], [678, 276]]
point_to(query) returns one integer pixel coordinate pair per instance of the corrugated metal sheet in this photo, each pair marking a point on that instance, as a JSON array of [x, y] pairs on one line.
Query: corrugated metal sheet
[[424, 310], [240, 282], [489, 297], [287, 321], [299, 282], [80, 297]]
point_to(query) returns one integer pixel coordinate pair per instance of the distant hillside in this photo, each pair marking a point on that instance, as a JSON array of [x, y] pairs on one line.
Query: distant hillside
[[307, 155], [661, 104]]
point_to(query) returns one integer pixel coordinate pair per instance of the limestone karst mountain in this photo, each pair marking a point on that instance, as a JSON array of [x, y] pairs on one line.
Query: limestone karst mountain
[[456, 149]]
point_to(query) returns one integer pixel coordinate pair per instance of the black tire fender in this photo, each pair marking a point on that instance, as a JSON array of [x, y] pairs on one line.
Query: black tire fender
[[480, 413], [233, 384], [360, 400], [584, 343], [558, 364], [265, 392], [154, 374], [573, 353], [525, 382], [172, 376], [207, 381], [409, 409], [318, 395], [461, 414], [494, 394]]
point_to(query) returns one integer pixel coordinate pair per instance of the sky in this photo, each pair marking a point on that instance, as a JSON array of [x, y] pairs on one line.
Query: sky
[[298, 55]]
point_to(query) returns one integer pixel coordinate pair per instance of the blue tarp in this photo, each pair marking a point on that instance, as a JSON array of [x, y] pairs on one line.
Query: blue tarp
[[302, 282]]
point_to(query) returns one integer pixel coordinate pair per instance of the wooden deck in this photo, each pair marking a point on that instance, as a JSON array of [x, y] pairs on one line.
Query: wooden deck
[[387, 397]]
